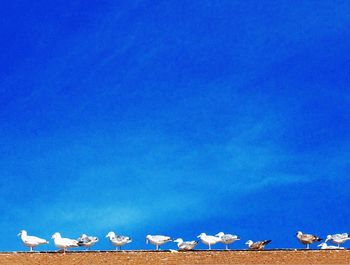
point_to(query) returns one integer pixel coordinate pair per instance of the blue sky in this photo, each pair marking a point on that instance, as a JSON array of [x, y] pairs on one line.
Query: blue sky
[[174, 117]]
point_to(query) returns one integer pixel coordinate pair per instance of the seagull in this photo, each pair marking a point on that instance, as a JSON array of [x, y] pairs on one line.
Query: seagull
[[259, 245], [64, 243], [31, 241], [325, 246], [208, 240], [157, 240], [338, 238], [118, 240], [227, 239], [185, 245], [307, 239], [87, 241]]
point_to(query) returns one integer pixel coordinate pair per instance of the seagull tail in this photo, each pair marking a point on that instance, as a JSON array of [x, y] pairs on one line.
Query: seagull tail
[[319, 239], [267, 241]]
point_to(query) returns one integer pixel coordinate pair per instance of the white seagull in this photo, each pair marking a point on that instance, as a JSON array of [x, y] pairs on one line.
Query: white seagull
[[185, 245], [118, 240], [338, 238], [325, 246], [31, 241], [87, 241], [157, 240], [227, 239], [208, 240], [64, 243]]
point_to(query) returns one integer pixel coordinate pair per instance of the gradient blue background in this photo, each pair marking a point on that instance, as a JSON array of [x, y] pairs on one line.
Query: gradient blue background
[[174, 117]]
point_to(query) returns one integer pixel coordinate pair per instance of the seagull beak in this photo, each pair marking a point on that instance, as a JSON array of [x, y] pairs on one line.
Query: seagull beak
[[19, 234], [146, 241], [326, 240], [198, 236]]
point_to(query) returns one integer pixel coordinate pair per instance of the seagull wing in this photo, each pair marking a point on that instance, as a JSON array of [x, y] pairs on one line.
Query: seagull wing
[[69, 242], [308, 238], [340, 236], [161, 238], [35, 240]]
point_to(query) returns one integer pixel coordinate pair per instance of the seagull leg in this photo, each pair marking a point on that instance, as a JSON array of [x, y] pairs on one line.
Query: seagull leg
[[157, 247], [227, 247], [209, 247], [307, 246], [31, 249]]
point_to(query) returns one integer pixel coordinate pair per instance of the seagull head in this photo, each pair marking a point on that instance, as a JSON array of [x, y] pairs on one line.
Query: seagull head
[[110, 235], [201, 234], [299, 233], [23, 232], [56, 235], [329, 237], [249, 242], [147, 238], [220, 234], [178, 240]]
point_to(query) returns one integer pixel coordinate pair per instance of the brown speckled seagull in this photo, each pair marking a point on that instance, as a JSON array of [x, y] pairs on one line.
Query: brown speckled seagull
[[259, 245], [307, 239]]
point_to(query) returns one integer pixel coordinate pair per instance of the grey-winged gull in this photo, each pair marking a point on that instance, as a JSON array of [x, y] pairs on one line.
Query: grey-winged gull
[[227, 239], [185, 245], [338, 239], [118, 240], [87, 241], [157, 240]]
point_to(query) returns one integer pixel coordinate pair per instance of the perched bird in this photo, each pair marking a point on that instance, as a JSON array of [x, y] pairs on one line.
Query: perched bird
[[157, 240], [325, 246], [64, 243], [87, 241], [117, 240], [31, 241], [307, 239], [259, 245], [185, 245], [208, 240], [227, 239], [338, 238]]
